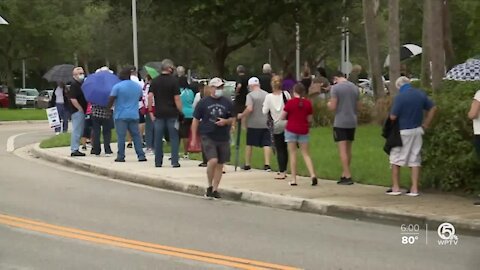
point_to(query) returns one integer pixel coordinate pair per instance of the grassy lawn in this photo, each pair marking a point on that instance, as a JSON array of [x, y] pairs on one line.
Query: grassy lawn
[[369, 164], [63, 139], [22, 114]]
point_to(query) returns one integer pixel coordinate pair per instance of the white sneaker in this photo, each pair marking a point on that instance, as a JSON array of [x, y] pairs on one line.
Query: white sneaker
[[185, 157], [57, 133], [108, 155]]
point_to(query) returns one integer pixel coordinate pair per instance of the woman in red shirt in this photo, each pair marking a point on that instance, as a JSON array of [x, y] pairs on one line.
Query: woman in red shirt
[[298, 112]]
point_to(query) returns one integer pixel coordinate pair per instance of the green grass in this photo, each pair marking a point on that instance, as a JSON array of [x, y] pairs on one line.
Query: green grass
[[22, 114], [369, 163], [63, 139]]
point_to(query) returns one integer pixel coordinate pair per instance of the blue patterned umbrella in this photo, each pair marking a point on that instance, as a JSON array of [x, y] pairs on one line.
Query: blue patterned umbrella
[[468, 71], [97, 87]]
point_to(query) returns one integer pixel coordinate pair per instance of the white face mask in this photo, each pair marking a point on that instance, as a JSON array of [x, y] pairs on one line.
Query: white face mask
[[218, 93], [81, 77]]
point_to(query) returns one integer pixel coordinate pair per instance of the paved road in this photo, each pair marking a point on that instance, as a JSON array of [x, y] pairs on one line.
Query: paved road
[[35, 190]]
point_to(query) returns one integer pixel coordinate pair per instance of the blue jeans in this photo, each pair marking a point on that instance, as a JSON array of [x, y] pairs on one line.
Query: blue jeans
[[78, 124], [149, 131], [64, 114], [161, 125], [122, 125]]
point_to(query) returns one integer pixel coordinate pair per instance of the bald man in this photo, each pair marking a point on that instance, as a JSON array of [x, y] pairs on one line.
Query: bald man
[[77, 109]]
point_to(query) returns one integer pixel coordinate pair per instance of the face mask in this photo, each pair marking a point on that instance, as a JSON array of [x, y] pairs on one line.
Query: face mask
[[81, 77], [218, 93]]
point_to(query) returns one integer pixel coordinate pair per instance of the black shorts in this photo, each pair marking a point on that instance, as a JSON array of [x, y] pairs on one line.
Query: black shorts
[[258, 137], [184, 128], [141, 119], [215, 149], [343, 134], [87, 129], [477, 145]]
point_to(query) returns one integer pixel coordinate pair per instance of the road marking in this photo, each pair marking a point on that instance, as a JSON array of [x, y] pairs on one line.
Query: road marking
[[11, 142], [92, 237]]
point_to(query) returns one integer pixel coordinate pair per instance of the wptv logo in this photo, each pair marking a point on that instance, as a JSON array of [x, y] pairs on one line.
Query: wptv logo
[[446, 232]]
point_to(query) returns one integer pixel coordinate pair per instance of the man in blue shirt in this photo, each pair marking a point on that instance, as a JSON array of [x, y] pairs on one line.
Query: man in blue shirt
[[125, 95], [408, 108], [214, 117]]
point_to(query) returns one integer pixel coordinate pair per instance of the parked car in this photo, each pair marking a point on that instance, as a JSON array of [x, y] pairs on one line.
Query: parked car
[[26, 97], [43, 99], [3, 96]]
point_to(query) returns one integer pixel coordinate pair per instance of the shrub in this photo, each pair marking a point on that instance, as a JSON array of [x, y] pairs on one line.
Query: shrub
[[449, 159], [322, 116]]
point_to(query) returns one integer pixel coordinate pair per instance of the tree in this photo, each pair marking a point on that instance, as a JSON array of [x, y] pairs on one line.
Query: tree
[[394, 43], [426, 58], [370, 8], [447, 35], [29, 35], [223, 26], [436, 42]]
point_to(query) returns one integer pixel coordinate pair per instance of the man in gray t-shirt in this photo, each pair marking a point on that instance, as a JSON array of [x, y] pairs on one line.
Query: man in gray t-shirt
[[258, 134], [344, 102]]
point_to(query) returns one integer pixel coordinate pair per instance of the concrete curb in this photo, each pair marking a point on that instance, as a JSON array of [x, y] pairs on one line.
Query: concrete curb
[[377, 215], [5, 123]]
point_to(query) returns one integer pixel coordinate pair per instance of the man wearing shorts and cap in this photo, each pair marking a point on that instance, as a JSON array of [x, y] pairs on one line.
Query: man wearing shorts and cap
[[213, 116], [258, 134], [408, 108]]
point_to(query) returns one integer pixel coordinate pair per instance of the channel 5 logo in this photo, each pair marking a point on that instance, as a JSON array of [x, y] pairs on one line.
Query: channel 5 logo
[[446, 232]]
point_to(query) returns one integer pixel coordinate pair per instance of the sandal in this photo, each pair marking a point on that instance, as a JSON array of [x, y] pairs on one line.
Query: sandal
[[280, 177], [292, 184]]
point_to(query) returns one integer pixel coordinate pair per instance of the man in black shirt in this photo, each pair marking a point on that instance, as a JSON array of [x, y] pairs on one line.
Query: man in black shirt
[[78, 107], [165, 90], [214, 117], [266, 78], [241, 90]]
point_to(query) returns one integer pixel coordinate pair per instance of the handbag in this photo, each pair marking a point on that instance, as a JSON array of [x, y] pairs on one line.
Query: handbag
[[196, 146], [280, 124]]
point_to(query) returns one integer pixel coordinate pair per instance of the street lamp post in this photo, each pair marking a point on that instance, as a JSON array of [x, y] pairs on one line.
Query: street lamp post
[[297, 53], [135, 42]]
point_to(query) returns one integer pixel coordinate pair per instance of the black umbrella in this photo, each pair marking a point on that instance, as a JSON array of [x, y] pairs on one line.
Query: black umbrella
[[406, 51], [60, 73]]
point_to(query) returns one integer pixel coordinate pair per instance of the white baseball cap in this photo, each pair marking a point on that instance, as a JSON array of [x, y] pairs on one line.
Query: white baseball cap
[[216, 82], [253, 81]]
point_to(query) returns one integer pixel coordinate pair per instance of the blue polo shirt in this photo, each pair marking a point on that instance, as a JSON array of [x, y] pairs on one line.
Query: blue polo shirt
[[409, 106], [127, 93]]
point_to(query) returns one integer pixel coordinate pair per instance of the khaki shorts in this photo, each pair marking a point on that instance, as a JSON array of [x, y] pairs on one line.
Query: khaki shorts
[[409, 154]]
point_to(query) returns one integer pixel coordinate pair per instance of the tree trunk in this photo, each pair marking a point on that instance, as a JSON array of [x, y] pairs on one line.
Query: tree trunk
[[447, 36], [10, 84], [394, 44], [426, 72], [436, 44], [371, 34]]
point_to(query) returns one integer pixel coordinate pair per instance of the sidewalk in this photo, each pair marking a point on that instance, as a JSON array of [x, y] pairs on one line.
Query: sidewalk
[[357, 201]]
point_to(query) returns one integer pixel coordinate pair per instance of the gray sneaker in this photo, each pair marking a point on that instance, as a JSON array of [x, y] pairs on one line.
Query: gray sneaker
[[209, 193]]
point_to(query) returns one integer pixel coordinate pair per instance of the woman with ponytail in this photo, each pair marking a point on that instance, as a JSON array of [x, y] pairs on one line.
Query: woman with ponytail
[[298, 113]]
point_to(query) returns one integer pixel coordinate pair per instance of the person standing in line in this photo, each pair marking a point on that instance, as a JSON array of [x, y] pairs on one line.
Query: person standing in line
[[149, 125], [408, 109], [125, 95], [273, 107], [168, 107], [214, 117], [266, 78], [299, 112], [474, 115], [258, 134], [344, 101], [60, 101], [77, 109], [202, 89], [141, 105], [187, 96], [241, 89]]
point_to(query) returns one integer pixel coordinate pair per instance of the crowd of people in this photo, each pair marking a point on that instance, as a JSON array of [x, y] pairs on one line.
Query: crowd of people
[[275, 111]]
